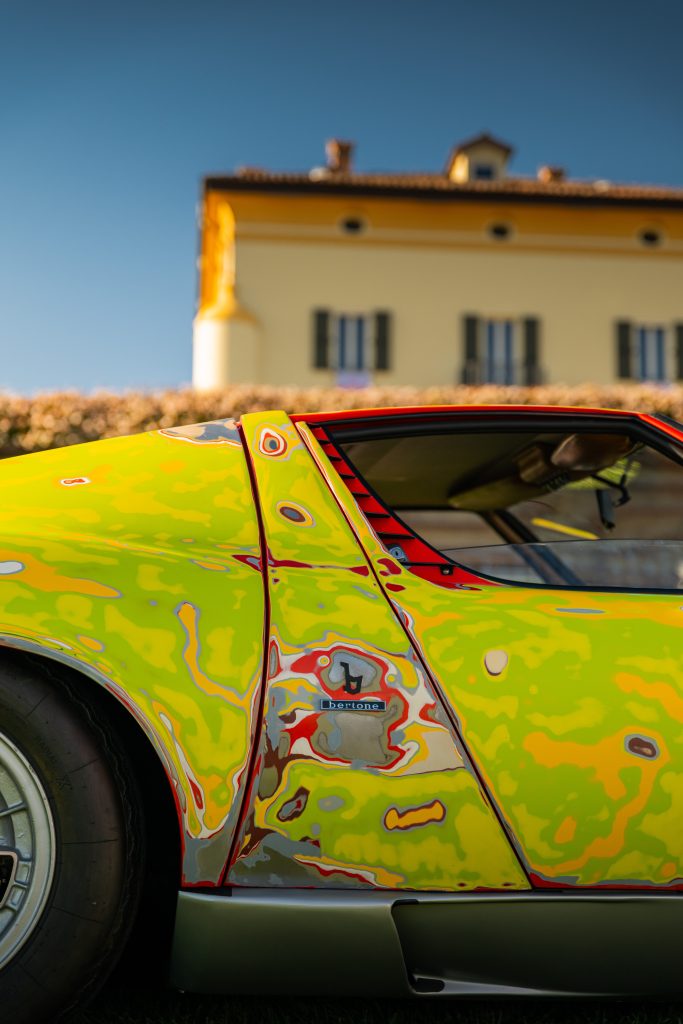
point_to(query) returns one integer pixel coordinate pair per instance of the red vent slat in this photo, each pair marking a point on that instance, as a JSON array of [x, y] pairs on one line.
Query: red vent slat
[[427, 563]]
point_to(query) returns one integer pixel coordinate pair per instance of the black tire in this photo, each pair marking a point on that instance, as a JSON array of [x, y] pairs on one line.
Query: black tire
[[89, 902]]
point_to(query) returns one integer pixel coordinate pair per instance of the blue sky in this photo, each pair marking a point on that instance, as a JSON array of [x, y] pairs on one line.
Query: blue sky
[[110, 113]]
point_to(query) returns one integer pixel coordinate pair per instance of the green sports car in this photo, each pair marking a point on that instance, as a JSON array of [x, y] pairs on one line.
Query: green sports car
[[388, 701]]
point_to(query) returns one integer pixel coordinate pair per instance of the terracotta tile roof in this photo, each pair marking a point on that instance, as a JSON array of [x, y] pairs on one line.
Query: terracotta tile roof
[[433, 185]]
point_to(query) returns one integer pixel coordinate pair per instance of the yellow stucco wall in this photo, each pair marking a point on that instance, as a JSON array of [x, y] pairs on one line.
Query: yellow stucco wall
[[578, 269]]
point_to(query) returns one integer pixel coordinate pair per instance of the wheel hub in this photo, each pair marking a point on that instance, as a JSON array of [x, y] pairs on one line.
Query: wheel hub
[[27, 849], [8, 867]]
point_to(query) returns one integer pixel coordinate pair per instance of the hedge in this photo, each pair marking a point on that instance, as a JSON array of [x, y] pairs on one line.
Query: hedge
[[62, 418]]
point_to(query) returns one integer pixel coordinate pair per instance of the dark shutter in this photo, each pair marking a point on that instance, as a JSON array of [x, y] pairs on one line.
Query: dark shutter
[[624, 360], [532, 374], [678, 334], [382, 341], [321, 339], [470, 365]]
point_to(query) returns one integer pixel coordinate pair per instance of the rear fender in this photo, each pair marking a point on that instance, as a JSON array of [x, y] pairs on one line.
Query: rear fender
[[136, 562]]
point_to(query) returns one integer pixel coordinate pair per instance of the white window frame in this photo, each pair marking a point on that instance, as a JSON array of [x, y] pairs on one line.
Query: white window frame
[[352, 348], [350, 336], [500, 356], [651, 358]]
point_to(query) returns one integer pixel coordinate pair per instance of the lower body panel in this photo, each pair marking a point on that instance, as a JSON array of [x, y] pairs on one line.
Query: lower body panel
[[392, 943]]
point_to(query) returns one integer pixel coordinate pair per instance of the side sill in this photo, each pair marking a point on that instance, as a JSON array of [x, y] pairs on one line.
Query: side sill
[[287, 942], [356, 943]]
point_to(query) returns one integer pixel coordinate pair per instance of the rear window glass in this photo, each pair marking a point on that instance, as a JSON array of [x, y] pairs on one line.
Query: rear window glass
[[556, 508]]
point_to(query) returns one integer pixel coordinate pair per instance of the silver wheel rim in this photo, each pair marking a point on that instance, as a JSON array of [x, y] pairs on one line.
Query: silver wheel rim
[[27, 849]]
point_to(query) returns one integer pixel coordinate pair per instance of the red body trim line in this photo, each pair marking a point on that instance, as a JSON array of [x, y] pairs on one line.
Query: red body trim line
[[256, 735], [429, 411], [661, 425], [545, 883]]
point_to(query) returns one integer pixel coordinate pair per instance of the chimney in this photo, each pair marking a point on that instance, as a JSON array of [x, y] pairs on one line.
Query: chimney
[[339, 156], [549, 175]]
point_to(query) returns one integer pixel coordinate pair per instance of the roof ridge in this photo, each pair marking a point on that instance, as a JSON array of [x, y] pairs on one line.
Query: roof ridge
[[435, 182]]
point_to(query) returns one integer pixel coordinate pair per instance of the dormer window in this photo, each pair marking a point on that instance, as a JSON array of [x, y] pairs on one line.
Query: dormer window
[[483, 158]]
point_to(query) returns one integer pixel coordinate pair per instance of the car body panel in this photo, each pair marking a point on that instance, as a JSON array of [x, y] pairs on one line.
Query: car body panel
[[136, 560], [570, 705], [387, 782], [349, 797], [380, 943], [580, 737]]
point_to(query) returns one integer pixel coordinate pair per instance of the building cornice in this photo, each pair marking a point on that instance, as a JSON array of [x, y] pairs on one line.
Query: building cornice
[[436, 188]]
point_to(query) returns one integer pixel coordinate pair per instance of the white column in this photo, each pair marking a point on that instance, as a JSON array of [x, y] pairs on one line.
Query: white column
[[224, 351]]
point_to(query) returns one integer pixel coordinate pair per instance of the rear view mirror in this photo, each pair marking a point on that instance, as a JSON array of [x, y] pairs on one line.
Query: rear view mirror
[[589, 453]]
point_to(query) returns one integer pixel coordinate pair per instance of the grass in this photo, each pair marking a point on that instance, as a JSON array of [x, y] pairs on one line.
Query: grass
[[116, 1005]]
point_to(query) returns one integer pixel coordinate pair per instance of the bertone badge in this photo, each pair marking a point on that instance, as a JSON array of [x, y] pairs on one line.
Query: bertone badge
[[328, 704]]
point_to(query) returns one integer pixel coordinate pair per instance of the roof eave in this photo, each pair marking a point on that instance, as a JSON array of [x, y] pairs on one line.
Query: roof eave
[[460, 194]]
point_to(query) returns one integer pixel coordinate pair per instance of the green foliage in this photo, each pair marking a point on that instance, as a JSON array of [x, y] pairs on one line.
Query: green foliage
[[624, 471], [62, 418]]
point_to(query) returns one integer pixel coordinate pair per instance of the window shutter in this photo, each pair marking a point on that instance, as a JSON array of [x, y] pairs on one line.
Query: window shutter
[[624, 356], [382, 341], [532, 373], [470, 366], [678, 334], [321, 339]]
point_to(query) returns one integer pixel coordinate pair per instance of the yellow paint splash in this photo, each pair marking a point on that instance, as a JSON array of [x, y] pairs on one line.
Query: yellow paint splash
[[571, 531], [566, 831], [189, 616], [663, 693], [414, 817], [91, 643]]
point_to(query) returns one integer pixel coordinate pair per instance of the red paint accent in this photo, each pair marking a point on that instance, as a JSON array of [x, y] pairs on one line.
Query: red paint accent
[[662, 426], [197, 794], [546, 883], [422, 413], [389, 529], [391, 568], [308, 663], [278, 665], [461, 411], [427, 716], [250, 560], [397, 587], [326, 872], [304, 730], [361, 570], [288, 563], [268, 435], [372, 506]]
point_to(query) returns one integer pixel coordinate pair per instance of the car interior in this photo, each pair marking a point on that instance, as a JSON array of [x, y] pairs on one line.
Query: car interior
[[577, 508]]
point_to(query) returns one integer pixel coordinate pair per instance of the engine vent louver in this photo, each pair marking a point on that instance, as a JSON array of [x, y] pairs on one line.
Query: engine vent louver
[[419, 557]]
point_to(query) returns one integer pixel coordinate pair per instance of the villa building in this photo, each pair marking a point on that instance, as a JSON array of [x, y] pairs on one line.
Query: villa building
[[468, 275]]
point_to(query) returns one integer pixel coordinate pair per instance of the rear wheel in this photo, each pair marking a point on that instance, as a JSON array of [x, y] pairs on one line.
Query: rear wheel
[[70, 856]]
